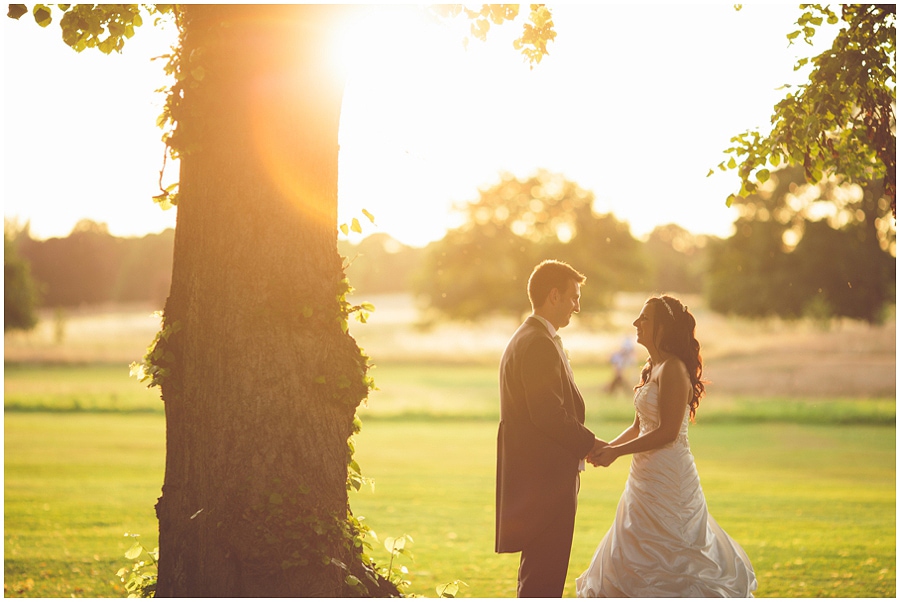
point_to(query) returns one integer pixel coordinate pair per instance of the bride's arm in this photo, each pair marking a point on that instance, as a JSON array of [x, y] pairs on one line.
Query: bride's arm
[[630, 433], [624, 437], [674, 388]]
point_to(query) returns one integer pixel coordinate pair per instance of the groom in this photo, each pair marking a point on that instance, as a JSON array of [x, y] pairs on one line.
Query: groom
[[542, 441]]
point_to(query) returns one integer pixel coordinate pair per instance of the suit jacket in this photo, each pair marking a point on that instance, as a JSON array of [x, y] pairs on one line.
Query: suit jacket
[[541, 438]]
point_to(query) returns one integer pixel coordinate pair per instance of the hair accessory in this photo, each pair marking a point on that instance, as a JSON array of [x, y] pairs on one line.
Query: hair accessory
[[684, 308], [667, 307]]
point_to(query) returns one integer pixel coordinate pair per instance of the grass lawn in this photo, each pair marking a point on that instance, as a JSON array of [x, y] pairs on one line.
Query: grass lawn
[[74, 485], [422, 391], [76, 388], [811, 500], [812, 505]]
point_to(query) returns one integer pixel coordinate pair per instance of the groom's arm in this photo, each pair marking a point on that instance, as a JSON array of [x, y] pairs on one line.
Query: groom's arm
[[543, 375]]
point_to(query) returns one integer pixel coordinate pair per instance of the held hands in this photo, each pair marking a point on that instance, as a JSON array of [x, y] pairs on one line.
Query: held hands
[[606, 457], [601, 454], [599, 445]]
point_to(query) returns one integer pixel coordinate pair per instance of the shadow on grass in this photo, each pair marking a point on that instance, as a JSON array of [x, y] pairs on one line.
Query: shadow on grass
[[843, 412], [830, 412]]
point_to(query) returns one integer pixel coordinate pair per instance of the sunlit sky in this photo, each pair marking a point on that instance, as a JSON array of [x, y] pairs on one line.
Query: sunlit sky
[[634, 103]]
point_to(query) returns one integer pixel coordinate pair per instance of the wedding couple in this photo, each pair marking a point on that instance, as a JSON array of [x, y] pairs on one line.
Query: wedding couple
[[663, 542]]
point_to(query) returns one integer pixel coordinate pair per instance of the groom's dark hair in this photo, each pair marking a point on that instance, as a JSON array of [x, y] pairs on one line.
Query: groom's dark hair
[[548, 275]]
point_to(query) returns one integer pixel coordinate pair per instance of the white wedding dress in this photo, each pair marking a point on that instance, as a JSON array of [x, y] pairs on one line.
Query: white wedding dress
[[663, 542]]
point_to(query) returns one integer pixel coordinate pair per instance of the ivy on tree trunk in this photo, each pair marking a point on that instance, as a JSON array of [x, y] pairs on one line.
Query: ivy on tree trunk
[[262, 381]]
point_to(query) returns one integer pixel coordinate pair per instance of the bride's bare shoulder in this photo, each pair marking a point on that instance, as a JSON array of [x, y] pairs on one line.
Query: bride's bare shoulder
[[672, 367]]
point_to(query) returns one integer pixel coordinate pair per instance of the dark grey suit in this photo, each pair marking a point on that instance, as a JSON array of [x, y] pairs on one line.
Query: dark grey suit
[[540, 443]]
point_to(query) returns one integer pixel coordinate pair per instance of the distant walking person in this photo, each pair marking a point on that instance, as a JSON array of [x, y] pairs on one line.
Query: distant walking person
[[621, 360], [542, 441], [663, 541]]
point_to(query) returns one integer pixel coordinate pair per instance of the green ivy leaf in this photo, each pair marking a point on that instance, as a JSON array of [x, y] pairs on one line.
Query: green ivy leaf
[[354, 225], [164, 201], [447, 590], [134, 551]]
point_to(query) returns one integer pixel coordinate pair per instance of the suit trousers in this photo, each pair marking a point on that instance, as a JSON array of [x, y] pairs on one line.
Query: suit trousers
[[545, 559]]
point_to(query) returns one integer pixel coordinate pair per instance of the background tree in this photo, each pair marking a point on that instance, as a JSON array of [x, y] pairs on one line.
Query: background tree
[[20, 294], [482, 267], [841, 122], [259, 375], [145, 268], [607, 253], [801, 249], [91, 267], [379, 264], [678, 260], [77, 270]]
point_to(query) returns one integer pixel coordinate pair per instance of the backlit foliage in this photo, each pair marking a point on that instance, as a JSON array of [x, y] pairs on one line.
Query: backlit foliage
[[841, 122], [806, 250], [537, 31]]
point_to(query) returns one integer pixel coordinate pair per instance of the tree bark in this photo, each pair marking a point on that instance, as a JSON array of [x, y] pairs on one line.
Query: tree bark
[[262, 380]]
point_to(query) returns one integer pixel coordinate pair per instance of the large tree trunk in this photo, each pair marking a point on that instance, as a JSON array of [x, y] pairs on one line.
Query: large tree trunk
[[263, 380]]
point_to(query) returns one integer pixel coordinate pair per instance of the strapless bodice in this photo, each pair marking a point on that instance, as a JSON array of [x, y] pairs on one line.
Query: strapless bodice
[[646, 404]]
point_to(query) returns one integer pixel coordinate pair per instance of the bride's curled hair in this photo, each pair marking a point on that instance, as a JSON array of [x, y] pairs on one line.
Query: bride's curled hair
[[673, 332]]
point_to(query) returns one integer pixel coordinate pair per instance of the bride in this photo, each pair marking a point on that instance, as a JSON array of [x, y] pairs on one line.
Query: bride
[[663, 541]]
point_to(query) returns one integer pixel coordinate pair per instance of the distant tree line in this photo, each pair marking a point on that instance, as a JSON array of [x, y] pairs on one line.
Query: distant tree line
[[378, 264], [91, 266], [798, 250]]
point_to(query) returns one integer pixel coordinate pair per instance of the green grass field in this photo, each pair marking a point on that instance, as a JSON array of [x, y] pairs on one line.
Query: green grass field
[[74, 485], [806, 486], [420, 391], [812, 505]]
